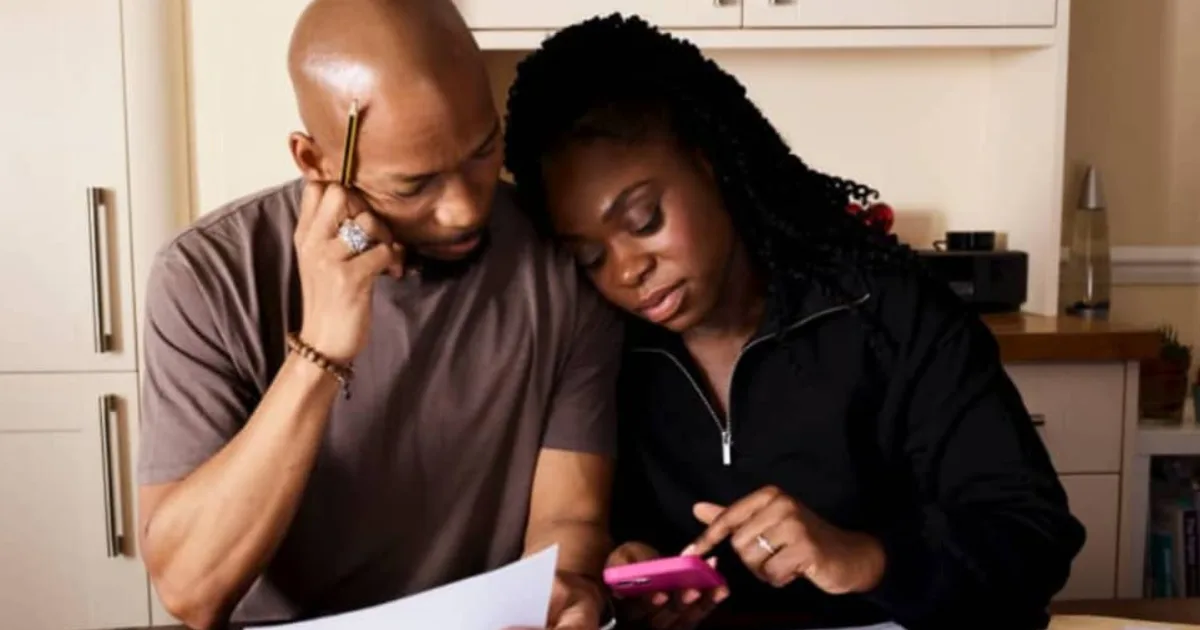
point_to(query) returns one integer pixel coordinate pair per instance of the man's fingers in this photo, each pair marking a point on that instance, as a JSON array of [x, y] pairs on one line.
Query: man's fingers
[[310, 198], [332, 209], [575, 618], [372, 262], [375, 229]]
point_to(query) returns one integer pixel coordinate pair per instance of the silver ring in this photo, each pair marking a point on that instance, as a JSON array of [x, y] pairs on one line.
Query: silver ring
[[765, 545], [354, 237]]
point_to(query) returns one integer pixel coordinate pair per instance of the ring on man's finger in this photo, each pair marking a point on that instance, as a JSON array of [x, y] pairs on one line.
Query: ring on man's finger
[[354, 237]]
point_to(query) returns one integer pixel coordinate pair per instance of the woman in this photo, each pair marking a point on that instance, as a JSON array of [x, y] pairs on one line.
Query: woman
[[800, 404]]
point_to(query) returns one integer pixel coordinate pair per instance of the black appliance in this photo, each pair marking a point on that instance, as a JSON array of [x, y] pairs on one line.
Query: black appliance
[[988, 281]]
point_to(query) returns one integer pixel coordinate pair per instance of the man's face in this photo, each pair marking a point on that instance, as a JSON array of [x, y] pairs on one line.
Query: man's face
[[427, 163]]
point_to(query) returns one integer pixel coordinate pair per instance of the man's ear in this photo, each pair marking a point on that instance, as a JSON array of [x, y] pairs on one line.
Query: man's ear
[[307, 156]]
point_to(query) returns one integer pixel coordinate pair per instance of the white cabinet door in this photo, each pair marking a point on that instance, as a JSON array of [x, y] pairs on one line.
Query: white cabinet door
[[553, 14], [66, 493], [899, 13], [1079, 408], [64, 264], [1094, 501]]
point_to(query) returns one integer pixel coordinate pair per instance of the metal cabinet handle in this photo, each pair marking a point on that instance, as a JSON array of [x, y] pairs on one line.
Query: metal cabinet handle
[[96, 235], [724, 3], [1039, 419], [112, 511]]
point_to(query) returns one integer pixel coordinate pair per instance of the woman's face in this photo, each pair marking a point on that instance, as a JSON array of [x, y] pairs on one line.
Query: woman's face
[[645, 220]]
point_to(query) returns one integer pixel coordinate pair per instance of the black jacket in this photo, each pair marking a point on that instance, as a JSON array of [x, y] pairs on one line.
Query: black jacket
[[888, 413]]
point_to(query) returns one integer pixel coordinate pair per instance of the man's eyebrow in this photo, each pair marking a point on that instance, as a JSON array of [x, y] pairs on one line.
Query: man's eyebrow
[[405, 178]]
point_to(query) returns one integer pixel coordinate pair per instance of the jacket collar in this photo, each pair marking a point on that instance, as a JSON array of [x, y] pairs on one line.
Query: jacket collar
[[814, 305]]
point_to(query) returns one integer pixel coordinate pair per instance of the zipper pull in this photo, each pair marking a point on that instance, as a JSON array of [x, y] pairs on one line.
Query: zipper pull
[[726, 447]]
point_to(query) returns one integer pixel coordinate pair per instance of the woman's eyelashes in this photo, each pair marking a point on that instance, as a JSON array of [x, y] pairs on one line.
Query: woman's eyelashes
[[646, 220], [640, 222]]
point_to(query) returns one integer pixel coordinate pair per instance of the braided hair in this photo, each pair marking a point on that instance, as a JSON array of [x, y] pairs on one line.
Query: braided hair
[[619, 78]]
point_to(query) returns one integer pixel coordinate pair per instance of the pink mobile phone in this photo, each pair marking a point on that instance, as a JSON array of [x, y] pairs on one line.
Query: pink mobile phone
[[664, 574]]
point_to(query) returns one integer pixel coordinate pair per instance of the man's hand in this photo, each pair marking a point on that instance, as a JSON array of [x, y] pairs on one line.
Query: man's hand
[[337, 283], [576, 603], [780, 540], [664, 611]]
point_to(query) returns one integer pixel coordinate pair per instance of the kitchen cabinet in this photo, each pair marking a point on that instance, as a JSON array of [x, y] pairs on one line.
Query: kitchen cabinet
[[539, 14], [65, 263], [94, 126], [66, 456], [898, 13], [1081, 412], [1094, 501]]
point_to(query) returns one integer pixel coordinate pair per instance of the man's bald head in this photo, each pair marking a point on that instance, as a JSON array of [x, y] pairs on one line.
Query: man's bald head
[[342, 50], [427, 115]]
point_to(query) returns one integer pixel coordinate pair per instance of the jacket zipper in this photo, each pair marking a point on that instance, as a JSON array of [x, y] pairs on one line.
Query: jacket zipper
[[726, 428]]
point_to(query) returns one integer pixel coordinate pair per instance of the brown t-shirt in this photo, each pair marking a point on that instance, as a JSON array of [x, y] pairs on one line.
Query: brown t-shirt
[[424, 473]]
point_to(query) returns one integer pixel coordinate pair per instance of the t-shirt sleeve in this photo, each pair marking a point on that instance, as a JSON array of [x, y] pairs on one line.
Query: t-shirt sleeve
[[194, 399], [582, 412]]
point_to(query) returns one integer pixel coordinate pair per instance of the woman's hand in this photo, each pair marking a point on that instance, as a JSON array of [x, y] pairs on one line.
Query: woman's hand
[[780, 540], [663, 611]]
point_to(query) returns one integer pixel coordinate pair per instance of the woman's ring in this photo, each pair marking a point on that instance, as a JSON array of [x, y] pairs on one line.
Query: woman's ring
[[354, 237], [765, 545]]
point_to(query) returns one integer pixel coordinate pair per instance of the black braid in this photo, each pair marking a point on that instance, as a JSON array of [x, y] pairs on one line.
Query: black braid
[[620, 78]]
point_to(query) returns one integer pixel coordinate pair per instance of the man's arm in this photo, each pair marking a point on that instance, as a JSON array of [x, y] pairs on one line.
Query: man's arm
[[223, 468], [207, 537], [569, 507], [221, 479], [572, 483]]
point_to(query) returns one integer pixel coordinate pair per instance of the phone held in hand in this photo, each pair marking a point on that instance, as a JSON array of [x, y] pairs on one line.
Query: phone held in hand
[[662, 575]]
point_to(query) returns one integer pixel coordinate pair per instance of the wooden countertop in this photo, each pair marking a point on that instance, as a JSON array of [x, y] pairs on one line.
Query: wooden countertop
[[1027, 337]]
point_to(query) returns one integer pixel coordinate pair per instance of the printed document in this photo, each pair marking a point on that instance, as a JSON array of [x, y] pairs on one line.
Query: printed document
[[517, 594]]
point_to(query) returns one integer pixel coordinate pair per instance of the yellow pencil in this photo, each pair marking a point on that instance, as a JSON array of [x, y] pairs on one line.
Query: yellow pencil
[[348, 148]]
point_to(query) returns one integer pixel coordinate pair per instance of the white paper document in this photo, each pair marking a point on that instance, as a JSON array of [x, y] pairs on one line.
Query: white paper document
[[517, 594], [876, 627]]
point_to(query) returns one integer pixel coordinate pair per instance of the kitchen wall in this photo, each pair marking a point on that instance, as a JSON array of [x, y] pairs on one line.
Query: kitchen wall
[[1134, 110], [891, 119], [941, 132]]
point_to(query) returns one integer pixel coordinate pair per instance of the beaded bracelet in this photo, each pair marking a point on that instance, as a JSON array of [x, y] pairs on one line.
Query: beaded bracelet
[[343, 373]]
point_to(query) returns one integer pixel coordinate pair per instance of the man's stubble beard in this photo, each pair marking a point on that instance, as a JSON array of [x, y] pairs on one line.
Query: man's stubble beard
[[439, 270]]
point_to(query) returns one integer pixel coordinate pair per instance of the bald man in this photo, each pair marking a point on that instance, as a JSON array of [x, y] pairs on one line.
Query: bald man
[[357, 393]]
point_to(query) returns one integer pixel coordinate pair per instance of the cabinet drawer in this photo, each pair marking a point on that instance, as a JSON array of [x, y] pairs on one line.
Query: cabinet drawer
[[1094, 501], [1079, 408], [900, 13], [541, 14]]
